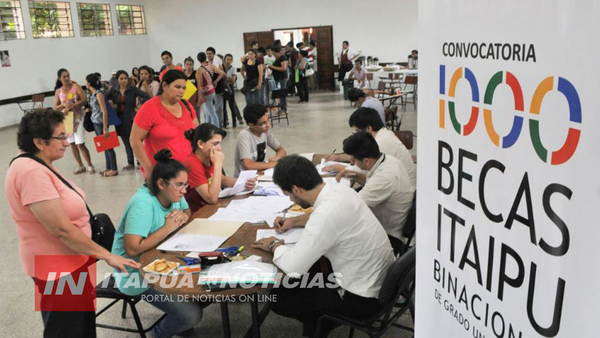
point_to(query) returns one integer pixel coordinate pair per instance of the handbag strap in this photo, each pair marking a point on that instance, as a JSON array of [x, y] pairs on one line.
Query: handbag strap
[[38, 160], [187, 105]]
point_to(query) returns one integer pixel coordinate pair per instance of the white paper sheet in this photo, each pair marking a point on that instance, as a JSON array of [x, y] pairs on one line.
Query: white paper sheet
[[239, 186], [325, 164], [267, 176], [290, 237], [332, 180], [192, 242], [254, 209]]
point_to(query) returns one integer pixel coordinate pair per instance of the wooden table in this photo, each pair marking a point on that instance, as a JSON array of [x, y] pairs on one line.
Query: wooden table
[[246, 236]]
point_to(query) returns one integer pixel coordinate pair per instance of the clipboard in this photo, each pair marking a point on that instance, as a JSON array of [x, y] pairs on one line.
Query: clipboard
[[69, 122], [102, 143]]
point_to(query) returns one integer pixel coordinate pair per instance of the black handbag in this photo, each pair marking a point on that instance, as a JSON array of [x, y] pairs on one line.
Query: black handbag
[[103, 230], [88, 125]]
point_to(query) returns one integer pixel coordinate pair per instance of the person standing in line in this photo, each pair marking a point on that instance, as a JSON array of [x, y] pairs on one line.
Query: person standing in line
[[204, 80], [125, 100], [279, 69], [69, 97], [167, 59], [229, 96], [302, 66], [252, 71], [261, 53], [345, 59], [190, 73], [100, 120], [293, 56], [135, 76], [212, 57], [147, 81]]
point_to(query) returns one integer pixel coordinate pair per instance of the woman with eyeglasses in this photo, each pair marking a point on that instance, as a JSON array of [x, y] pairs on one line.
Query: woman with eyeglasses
[[52, 218], [205, 166], [161, 122], [69, 97], [156, 210]]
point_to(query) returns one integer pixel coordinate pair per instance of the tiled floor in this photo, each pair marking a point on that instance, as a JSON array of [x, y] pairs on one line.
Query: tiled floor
[[319, 126]]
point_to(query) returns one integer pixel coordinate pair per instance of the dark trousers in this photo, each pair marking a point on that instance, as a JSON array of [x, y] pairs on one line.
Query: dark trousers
[[303, 89], [109, 155], [291, 86], [343, 70], [235, 111], [308, 305]]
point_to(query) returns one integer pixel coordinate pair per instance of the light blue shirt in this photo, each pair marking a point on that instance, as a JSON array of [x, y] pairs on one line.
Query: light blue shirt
[[143, 216]]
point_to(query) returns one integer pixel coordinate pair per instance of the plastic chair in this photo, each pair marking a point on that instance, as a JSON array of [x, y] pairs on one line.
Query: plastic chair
[[399, 281]]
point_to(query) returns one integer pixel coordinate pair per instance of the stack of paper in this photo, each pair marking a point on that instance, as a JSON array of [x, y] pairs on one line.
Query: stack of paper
[[326, 164], [244, 272], [268, 189], [267, 176], [255, 209], [201, 235]]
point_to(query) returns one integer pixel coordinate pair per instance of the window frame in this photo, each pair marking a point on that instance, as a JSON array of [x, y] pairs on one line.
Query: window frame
[[60, 32], [17, 19], [97, 31], [132, 30]]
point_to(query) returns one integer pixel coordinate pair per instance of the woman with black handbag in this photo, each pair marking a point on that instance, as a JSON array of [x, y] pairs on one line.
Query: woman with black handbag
[[37, 195]]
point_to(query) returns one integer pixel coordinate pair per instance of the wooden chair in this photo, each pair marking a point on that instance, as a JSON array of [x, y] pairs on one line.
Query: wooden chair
[[382, 90], [37, 99], [413, 81], [406, 137], [277, 94], [391, 118], [369, 78]]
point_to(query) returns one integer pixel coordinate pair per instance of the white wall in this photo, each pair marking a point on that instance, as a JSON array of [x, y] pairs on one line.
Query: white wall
[[36, 61], [383, 28]]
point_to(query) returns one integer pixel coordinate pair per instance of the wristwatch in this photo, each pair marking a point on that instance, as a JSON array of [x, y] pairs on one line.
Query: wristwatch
[[275, 241]]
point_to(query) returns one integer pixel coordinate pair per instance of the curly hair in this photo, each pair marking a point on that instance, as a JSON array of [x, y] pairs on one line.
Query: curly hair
[[39, 123]]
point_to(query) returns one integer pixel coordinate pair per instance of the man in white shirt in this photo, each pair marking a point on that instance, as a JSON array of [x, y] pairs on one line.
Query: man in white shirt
[[366, 101], [366, 119], [341, 228], [210, 54], [251, 143], [387, 189], [345, 59]]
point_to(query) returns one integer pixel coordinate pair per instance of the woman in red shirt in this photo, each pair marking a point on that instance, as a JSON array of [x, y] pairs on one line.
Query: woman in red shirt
[[161, 122], [205, 166]]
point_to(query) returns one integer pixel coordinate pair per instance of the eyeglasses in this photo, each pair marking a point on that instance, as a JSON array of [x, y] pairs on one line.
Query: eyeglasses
[[60, 137], [179, 185]]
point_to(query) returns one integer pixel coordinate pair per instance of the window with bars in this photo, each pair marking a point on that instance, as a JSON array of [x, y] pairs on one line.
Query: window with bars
[[94, 19], [11, 21], [50, 19], [131, 19]]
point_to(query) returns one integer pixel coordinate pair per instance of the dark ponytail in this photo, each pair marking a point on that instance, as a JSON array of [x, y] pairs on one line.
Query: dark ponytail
[[94, 81], [58, 82], [166, 168], [203, 132]]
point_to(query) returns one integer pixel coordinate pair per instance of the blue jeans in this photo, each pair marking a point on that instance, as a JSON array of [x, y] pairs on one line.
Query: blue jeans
[[210, 113], [181, 316], [109, 155], [253, 96], [282, 85]]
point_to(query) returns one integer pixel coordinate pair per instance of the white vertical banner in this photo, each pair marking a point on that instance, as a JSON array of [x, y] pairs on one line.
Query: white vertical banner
[[508, 189]]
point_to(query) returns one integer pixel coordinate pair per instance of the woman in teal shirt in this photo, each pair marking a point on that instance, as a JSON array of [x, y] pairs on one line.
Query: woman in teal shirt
[[156, 210]]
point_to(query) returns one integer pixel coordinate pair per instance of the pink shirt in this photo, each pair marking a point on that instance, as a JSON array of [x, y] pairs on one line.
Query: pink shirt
[[29, 182], [164, 129]]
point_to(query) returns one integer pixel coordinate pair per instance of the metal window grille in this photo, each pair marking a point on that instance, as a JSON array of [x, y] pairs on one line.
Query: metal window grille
[[131, 19], [50, 19], [94, 19], [11, 20]]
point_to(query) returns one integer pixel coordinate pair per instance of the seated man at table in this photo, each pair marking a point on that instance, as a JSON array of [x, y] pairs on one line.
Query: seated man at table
[[251, 143], [365, 101], [387, 189], [359, 74], [366, 119], [205, 166], [342, 229]]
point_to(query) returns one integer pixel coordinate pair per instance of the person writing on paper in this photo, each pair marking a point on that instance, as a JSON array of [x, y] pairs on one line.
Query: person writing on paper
[[343, 229], [69, 96], [161, 122], [387, 188], [251, 143], [205, 167], [100, 120], [50, 217], [366, 119], [156, 210]]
